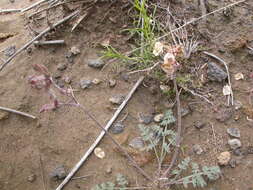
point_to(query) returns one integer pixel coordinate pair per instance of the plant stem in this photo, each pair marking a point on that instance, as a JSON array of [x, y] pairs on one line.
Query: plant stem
[[179, 129]]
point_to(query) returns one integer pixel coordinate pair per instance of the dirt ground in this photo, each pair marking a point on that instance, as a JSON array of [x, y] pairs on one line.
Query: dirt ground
[[61, 137]]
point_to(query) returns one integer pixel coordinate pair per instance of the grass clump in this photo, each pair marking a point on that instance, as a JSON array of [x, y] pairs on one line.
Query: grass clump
[[120, 184]]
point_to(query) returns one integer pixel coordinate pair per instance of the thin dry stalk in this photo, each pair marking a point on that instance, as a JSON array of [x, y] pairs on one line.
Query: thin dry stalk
[[226, 66], [145, 70], [42, 174], [17, 112], [179, 129]]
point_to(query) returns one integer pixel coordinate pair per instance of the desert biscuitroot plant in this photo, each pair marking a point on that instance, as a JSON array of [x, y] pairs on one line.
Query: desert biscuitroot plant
[[161, 139], [121, 184], [44, 81]]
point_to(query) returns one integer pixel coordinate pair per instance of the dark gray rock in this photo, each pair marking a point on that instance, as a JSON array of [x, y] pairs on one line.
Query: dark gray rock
[[199, 124], [96, 63], [58, 173], [70, 58], [117, 128], [215, 73], [234, 132], [240, 152], [125, 77], [137, 143], [146, 118], [8, 52], [117, 99], [84, 83]]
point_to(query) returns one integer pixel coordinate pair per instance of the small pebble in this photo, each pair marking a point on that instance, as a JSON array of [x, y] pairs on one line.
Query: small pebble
[[224, 158], [197, 149], [60, 83], [84, 83], [99, 152], [117, 128], [61, 67], [199, 124], [112, 83], [31, 178], [124, 77], [57, 75], [58, 173], [74, 50], [234, 143], [96, 81], [145, 118], [237, 104], [137, 143], [158, 118], [117, 99], [70, 58], [185, 112], [224, 115], [67, 80], [239, 152], [234, 132], [108, 169], [96, 63]]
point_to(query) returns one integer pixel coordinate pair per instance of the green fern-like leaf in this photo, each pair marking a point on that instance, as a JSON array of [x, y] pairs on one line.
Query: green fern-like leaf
[[104, 186], [212, 173], [168, 118], [121, 180]]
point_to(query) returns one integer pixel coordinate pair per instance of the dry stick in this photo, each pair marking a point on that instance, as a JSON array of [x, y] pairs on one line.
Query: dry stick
[[79, 20], [144, 70], [179, 129], [10, 10], [99, 138], [196, 94], [17, 112], [42, 174], [37, 37], [226, 66], [51, 42], [33, 5]]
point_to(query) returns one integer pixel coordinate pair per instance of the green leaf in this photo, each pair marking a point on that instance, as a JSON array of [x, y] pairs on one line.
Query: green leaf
[[168, 118]]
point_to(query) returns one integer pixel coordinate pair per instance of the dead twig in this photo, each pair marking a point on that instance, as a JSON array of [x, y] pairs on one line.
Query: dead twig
[[42, 174], [17, 112], [179, 129], [38, 37], [10, 10], [33, 5], [199, 95], [52, 42], [226, 66], [103, 132], [81, 177], [145, 70]]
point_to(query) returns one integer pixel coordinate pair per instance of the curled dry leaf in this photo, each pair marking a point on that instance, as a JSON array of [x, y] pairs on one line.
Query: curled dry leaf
[[226, 90], [158, 48], [239, 76], [99, 153]]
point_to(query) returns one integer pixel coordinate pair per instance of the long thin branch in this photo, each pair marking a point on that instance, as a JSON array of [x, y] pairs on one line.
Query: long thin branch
[[226, 66], [103, 132], [37, 37], [145, 70], [10, 10], [33, 5], [179, 129], [17, 112]]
